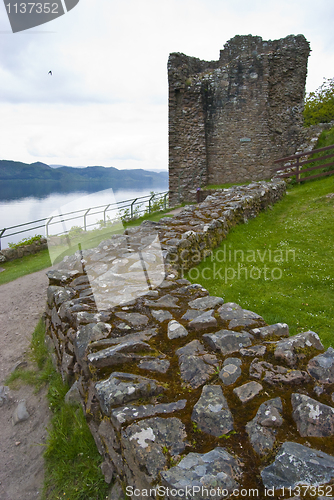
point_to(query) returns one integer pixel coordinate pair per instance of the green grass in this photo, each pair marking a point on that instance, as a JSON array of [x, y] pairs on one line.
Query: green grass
[[295, 241], [28, 264], [72, 461], [38, 354], [326, 139]]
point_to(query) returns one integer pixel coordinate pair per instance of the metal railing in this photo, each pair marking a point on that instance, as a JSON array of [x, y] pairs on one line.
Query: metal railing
[[295, 168], [126, 210]]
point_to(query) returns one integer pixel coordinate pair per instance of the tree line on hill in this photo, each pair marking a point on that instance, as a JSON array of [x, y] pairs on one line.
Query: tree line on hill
[[18, 179]]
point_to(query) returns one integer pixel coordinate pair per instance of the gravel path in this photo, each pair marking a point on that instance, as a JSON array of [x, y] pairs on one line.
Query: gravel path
[[22, 302]]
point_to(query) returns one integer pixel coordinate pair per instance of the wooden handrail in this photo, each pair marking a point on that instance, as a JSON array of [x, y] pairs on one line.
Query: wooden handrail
[[295, 170], [298, 155]]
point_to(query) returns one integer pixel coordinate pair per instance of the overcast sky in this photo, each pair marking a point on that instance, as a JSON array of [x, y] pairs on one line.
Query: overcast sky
[[106, 102]]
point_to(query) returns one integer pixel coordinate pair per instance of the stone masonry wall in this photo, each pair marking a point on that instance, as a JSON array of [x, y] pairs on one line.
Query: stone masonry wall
[[16, 253], [182, 391], [229, 119]]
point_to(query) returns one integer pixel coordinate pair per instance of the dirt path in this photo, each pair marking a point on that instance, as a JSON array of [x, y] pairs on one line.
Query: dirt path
[[22, 302]]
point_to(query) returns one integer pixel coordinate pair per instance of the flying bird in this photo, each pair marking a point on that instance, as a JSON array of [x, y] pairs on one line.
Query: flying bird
[[50, 73]]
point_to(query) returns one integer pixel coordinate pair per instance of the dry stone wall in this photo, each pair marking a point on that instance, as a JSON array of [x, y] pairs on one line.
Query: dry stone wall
[[187, 395], [229, 119], [16, 253]]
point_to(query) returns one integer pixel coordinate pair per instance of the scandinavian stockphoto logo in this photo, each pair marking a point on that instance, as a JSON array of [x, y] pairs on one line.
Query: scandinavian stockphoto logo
[[119, 265], [24, 15]]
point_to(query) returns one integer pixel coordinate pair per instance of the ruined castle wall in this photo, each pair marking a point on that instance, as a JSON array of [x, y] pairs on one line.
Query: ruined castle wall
[[229, 119], [187, 158]]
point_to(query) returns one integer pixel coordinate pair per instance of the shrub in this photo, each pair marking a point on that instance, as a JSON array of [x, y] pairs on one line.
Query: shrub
[[26, 241], [75, 231], [157, 204], [319, 105]]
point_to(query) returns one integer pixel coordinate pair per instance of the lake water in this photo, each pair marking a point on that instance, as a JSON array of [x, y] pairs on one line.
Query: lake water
[[22, 210]]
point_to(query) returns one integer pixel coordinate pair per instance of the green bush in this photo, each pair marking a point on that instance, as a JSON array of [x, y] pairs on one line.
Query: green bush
[[26, 241], [319, 105], [75, 231], [157, 204]]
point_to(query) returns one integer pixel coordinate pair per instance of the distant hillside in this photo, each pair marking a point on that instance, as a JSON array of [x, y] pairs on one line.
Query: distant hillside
[[63, 176]]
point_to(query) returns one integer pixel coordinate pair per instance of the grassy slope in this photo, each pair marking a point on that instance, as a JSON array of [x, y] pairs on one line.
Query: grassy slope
[[298, 285], [26, 265]]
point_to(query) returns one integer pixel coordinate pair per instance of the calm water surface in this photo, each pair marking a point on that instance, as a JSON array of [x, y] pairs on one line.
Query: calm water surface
[[28, 209]]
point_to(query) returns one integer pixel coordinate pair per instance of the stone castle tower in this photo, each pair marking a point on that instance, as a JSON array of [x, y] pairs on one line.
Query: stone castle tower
[[229, 119]]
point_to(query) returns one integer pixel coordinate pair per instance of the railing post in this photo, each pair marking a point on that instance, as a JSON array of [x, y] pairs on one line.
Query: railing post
[[298, 171], [47, 227], [104, 213], [149, 203], [1, 236], [85, 224], [134, 201]]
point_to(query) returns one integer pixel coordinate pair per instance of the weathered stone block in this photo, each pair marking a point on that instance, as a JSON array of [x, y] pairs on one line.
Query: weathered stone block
[[175, 330], [226, 341], [196, 364], [262, 429], [211, 412], [123, 352], [120, 388], [216, 470], [297, 464], [231, 371], [146, 445], [203, 321], [248, 391], [296, 347], [312, 417], [127, 414], [321, 367], [276, 330]]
